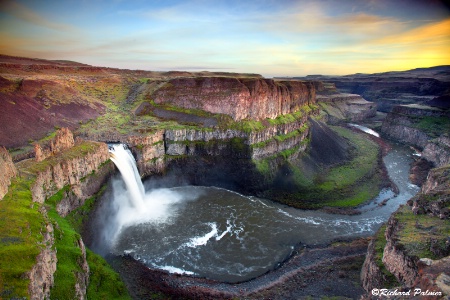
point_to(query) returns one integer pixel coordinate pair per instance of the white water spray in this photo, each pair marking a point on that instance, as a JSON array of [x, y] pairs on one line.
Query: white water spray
[[125, 162], [130, 205]]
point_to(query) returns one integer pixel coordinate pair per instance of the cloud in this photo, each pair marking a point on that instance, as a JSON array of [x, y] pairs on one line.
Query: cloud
[[23, 13], [436, 32]]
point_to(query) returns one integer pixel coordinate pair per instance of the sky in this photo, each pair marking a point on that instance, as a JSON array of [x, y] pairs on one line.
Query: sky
[[268, 37]]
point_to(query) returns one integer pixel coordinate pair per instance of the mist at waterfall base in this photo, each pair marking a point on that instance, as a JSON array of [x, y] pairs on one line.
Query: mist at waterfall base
[[222, 235]]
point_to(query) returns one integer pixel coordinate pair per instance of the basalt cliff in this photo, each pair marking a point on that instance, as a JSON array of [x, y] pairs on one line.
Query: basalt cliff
[[250, 134]]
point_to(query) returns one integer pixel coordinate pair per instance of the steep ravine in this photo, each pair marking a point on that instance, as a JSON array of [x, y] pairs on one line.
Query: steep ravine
[[411, 252]]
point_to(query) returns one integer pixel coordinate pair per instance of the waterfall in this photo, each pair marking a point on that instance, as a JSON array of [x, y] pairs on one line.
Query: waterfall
[[125, 162]]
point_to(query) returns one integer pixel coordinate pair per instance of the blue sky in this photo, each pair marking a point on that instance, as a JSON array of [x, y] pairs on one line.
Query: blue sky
[[273, 38]]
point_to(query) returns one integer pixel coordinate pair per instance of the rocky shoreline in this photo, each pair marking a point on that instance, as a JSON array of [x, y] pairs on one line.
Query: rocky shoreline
[[322, 271]]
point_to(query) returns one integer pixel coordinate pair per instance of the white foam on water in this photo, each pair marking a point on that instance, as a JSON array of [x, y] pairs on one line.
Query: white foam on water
[[228, 230], [202, 240], [175, 270]]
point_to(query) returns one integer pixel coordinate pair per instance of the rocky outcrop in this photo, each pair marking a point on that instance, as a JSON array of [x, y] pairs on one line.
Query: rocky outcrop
[[240, 98], [371, 275], [346, 107], [419, 171], [435, 279], [82, 278], [63, 140], [41, 275], [265, 142], [8, 170], [395, 259], [68, 169], [438, 181], [149, 152], [438, 151], [411, 124], [75, 195]]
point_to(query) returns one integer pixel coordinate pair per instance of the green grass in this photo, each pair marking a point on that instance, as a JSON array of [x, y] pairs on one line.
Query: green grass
[[352, 182], [69, 258], [433, 126], [262, 165], [248, 126], [104, 282], [21, 225], [416, 232], [348, 184]]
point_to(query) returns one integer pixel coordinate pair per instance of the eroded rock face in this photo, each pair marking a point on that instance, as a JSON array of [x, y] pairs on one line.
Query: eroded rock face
[[435, 277], [240, 98], [371, 275], [438, 151], [411, 271], [41, 275], [62, 141], [76, 195], [389, 89], [346, 107], [396, 260], [67, 172], [8, 170], [438, 181], [82, 277], [402, 124]]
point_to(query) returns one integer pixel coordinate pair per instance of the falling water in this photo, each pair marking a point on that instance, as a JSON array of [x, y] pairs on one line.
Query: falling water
[[124, 161], [130, 205]]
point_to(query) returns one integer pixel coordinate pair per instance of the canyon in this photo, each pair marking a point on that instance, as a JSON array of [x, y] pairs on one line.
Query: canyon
[[276, 139]]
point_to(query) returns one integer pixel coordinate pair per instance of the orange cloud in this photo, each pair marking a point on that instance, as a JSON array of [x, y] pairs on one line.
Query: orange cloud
[[431, 33]]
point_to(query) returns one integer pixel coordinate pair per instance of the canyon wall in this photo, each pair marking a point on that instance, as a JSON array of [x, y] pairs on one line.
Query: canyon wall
[[415, 124], [438, 151], [412, 247], [346, 107], [8, 170], [241, 98], [416, 246], [75, 171]]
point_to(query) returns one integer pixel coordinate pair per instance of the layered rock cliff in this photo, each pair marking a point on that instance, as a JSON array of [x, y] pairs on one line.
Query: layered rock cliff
[[241, 98], [58, 173], [415, 124], [346, 107]]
